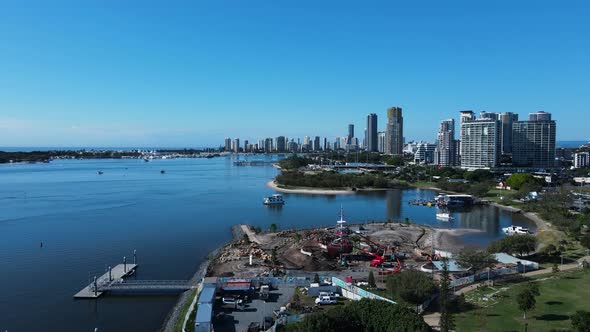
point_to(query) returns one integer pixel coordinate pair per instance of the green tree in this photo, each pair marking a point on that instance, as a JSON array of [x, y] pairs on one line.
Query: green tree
[[364, 315], [585, 241], [526, 300], [581, 321], [372, 279], [273, 228], [517, 244], [297, 237], [446, 316], [475, 260], [316, 278], [517, 181], [413, 287], [246, 239]]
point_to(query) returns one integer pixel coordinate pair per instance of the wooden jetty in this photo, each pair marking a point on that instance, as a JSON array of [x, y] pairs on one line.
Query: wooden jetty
[[114, 275]]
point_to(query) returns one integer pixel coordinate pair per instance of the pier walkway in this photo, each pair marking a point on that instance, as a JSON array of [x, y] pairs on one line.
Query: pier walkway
[[96, 288]]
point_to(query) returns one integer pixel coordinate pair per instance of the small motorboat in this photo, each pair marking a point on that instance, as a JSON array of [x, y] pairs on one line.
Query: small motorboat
[[444, 216], [162, 171], [515, 230], [100, 172]]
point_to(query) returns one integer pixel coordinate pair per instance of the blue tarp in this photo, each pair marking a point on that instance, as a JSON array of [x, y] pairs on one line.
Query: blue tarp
[[452, 264]]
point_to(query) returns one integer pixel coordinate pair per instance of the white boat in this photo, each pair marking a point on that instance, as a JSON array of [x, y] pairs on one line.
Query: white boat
[[444, 216], [275, 199], [515, 230]]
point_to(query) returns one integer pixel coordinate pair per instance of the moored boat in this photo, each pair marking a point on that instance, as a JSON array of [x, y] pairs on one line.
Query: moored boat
[[515, 230], [275, 199]]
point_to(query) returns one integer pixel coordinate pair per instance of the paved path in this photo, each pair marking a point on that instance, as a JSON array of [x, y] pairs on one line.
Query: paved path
[[251, 235]]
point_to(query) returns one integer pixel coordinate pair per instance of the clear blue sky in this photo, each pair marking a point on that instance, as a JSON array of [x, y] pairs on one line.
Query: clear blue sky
[[189, 73]]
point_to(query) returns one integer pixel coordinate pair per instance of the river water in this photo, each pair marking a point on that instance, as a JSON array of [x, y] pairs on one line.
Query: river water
[[86, 222]]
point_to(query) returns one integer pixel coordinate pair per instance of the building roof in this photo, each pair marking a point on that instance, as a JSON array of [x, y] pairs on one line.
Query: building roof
[[207, 295], [204, 313], [507, 259], [453, 266]]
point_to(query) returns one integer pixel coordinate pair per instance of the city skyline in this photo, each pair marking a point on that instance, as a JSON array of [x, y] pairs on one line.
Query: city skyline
[[177, 76]]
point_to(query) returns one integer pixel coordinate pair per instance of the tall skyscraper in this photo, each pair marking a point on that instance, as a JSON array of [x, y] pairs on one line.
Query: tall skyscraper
[[533, 141], [246, 146], [372, 140], [381, 141], [480, 143], [394, 131], [316, 144], [268, 146], [326, 145], [227, 144], [281, 144], [350, 134], [236, 145], [446, 149], [507, 119]]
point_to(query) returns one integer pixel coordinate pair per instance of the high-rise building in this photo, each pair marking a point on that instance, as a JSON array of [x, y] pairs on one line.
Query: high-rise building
[[281, 144], [268, 146], [326, 146], [316, 144], [489, 115], [425, 153], [236, 145], [540, 116], [381, 141], [227, 144], [533, 141], [446, 149], [246, 146], [394, 131], [581, 159], [350, 134], [507, 119], [372, 140], [480, 143]]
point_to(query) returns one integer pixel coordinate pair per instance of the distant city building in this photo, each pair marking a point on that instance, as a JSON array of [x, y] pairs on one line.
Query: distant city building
[[246, 146], [394, 131], [425, 153], [372, 139], [540, 116], [446, 148], [411, 147], [236, 145], [326, 146], [533, 141], [581, 159], [350, 134], [281, 144], [381, 141], [480, 143], [316, 144], [228, 144], [489, 115], [507, 119], [293, 146], [268, 145]]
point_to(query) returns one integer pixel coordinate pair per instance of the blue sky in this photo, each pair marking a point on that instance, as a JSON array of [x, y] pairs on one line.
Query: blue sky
[[189, 73]]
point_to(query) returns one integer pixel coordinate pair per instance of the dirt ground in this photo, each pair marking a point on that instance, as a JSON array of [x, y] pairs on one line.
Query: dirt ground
[[291, 250]]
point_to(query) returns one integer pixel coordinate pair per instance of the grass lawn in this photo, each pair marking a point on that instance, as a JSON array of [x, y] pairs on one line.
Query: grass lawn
[[495, 308], [180, 321]]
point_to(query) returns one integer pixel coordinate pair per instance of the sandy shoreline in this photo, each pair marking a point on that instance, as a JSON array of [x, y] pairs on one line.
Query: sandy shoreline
[[273, 185]]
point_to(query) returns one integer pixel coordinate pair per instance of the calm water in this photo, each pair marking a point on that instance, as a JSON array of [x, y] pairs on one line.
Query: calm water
[[88, 221]]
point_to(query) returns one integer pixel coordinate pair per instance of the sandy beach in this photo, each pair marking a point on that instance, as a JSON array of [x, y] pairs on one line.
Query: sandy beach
[[272, 185]]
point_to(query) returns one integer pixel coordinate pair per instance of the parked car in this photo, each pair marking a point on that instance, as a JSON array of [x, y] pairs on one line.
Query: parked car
[[232, 303], [322, 300]]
